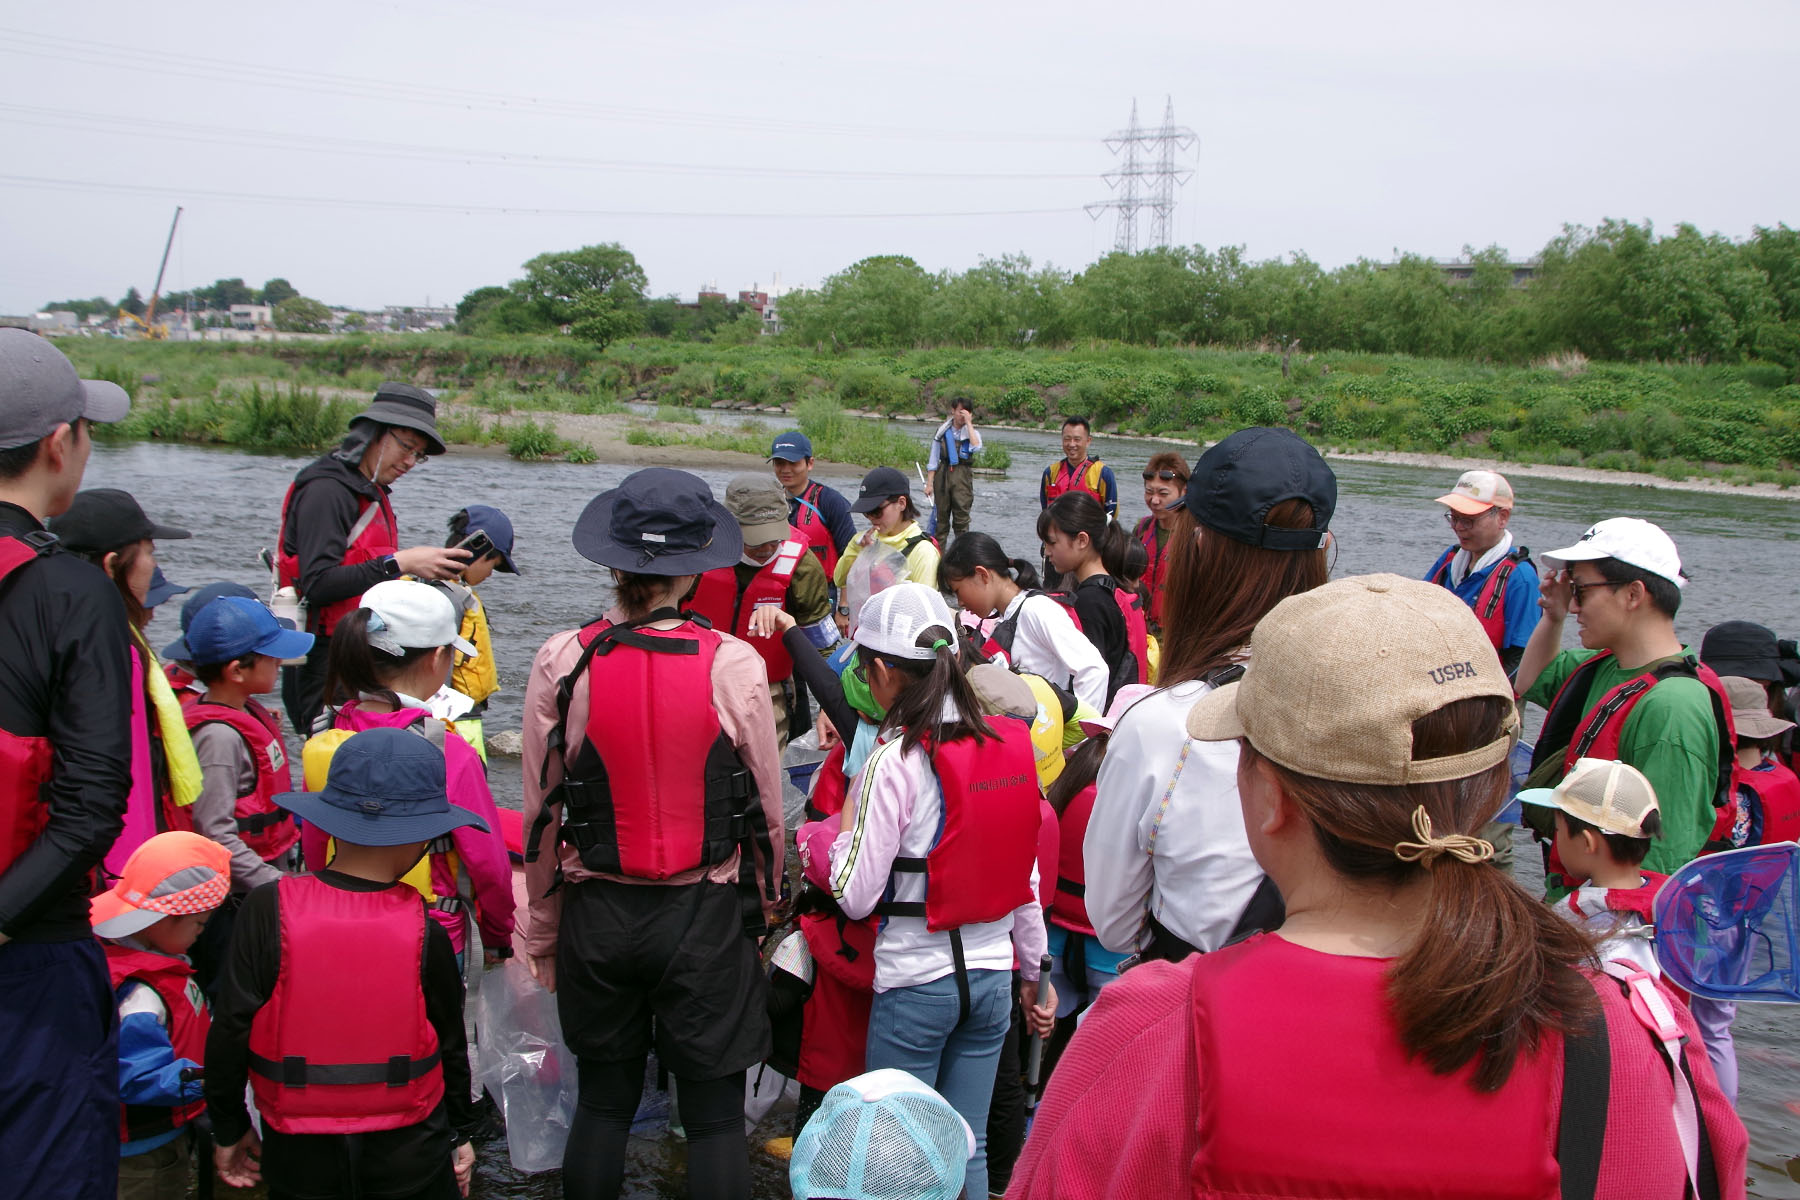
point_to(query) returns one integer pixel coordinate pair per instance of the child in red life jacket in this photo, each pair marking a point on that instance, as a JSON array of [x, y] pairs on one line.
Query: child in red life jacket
[[939, 838], [341, 1005], [1765, 804], [1087, 548], [1606, 816], [236, 647], [169, 888]]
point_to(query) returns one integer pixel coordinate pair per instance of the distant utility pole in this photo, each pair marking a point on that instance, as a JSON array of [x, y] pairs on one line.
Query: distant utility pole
[[1146, 177]]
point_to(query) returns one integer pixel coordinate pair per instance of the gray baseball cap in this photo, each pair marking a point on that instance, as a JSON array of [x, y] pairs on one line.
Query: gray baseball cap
[[759, 502], [39, 390]]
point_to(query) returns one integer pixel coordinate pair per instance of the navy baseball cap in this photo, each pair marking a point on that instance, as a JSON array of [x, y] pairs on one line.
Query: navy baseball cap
[[498, 527], [878, 487], [161, 589], [385, 788], [1237, 481], [791, 447], [177, 650], [231, 627]]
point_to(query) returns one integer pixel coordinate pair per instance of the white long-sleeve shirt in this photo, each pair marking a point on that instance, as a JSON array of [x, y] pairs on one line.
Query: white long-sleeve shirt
[[1046, 642], [899, 810], [1167, 835]]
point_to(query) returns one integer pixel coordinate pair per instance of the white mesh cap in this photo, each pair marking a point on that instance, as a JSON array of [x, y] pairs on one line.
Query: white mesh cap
[[882, 1136], [892, 620]]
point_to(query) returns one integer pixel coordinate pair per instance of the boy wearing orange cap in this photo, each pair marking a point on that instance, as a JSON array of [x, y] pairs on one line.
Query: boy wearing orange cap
[[169, 888]]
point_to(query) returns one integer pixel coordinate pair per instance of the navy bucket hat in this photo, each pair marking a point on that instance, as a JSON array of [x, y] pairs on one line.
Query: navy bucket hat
[[659, 521], [385, 788]]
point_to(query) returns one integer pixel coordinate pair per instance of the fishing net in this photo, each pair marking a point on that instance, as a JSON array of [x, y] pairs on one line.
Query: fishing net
[[1728, 925]]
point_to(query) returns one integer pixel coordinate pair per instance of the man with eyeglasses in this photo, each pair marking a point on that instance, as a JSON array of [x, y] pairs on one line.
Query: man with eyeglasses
[[338, 533], [1633, 692], [1484, 568]]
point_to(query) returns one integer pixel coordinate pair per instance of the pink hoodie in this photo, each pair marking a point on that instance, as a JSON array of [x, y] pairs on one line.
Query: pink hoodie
[[482, 855]]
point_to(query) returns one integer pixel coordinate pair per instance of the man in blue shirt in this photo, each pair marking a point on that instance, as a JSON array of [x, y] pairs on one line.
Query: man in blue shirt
[[1492, 577]]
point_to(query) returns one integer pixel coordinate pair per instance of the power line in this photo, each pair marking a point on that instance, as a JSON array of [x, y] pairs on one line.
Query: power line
[[99, 186], [53, 118], [222, 71]]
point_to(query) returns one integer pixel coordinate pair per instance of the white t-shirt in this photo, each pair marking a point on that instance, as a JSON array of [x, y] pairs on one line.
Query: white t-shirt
[[1167, 834], [1046, 642]]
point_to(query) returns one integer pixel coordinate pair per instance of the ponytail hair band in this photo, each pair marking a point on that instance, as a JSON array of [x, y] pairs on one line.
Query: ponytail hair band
[[1461, 846]]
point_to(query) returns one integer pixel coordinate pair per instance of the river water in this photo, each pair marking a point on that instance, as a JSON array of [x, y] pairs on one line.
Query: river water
[[1740, 551]]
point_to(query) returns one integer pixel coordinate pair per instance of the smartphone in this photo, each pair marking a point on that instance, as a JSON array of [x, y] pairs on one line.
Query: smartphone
[[477, 544]]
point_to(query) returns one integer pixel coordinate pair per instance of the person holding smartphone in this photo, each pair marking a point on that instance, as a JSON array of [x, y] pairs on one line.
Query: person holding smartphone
[[487, 535]]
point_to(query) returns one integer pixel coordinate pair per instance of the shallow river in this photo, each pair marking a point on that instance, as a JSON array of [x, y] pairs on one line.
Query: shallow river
[[1740, 552]]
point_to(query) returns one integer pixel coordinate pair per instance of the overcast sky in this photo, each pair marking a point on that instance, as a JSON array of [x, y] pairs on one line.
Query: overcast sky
[[391, 151]]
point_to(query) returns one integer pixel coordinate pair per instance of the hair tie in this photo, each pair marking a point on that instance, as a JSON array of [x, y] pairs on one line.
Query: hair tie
[[940, 644], [1461, 846]]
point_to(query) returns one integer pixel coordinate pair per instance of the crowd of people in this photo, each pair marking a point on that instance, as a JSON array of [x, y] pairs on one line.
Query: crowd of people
[[1168, 829]]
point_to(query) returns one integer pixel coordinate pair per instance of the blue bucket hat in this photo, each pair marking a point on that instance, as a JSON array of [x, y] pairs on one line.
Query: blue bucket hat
[[494, 523], [177, 650], [161, 589], [660, 521], [231, 627], [385, 788]]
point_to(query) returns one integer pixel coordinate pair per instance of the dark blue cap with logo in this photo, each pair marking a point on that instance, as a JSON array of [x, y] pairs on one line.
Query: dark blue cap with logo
[[385, 788], [791, 447]]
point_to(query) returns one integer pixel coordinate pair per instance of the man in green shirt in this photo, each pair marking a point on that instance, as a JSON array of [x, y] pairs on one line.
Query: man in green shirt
[[1623, 581]]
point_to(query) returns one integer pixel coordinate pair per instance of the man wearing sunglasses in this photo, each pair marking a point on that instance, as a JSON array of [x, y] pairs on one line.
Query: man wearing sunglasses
[[1491, 575], [338, 533]]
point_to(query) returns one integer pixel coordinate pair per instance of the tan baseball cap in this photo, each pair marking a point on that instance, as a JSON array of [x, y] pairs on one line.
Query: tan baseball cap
[[1338, 675], [1608, 795], [759, 502], [1478, 491]]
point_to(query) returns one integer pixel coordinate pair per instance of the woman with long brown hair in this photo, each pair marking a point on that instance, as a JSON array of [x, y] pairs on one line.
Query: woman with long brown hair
[[1419, 1025], [1168, 868]]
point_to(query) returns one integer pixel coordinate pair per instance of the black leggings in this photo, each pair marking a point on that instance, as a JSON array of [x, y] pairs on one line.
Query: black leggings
[[712, 1113]]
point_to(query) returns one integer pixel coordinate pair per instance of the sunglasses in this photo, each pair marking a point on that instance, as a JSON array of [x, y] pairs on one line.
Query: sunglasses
[[1575, 589], [1165, 476]]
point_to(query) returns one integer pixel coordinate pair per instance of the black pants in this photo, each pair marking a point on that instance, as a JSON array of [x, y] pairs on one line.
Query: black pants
[[1006, 1115], [303, 687], [712, 1113]]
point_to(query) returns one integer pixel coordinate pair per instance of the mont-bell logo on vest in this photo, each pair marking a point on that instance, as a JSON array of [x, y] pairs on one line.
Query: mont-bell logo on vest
[[1450, 671]]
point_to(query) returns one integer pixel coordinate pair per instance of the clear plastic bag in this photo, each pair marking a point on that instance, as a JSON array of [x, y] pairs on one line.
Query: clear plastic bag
[[522, 1062]]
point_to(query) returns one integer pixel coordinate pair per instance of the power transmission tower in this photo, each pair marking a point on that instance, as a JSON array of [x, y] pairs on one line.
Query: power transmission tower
[[1146, 177]]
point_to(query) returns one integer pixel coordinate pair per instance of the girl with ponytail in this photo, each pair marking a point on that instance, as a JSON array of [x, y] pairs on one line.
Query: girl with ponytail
[[1087, 548], [939, 836], [1412, 985]]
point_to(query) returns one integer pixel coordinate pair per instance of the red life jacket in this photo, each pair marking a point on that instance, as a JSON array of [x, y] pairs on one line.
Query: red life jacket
[[718, 600], [831, 787], [24, 761], [188, 1023], [1049, 845], [655, 787], [264, 826], [1258, 1027], [1574, 730], [182, 684], [1069, 907], [379, 538], [809, 521], [979, 869], [343, 1044], [1777, 791], [1060, 478], [1635, 901], [1490, 602], [1158, 572], [835, 1020]]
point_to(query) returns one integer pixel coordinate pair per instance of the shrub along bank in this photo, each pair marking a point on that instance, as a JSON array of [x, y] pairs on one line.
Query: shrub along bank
[[1740, 422]]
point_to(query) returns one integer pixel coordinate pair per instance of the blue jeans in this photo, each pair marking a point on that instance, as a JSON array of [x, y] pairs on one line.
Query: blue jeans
[[916, 1029]]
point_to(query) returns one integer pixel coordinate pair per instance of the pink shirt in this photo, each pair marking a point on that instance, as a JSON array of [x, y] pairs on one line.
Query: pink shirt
[[740, 695]]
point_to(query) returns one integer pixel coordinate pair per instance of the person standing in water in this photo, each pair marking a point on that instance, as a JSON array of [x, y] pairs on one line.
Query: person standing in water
[[950, 471]]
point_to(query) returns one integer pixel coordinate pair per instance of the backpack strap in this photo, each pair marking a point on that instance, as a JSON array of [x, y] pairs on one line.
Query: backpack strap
[[1586, 1093]]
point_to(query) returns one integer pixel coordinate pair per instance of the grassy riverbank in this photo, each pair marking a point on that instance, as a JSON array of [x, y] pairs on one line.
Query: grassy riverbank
[[1736, 423]]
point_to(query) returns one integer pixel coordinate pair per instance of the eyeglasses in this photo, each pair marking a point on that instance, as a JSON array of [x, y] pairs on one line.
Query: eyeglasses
[[1575, 589], [1165, 476], [1459, 521], [417, 453]]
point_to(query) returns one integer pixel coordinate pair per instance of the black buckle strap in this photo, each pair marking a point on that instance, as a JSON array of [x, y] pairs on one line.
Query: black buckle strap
[[962, 975], [296, 1072], [260, 822], [1068, 887]]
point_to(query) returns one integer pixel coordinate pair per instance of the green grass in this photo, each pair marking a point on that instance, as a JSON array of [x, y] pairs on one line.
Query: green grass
[[1678, 420]]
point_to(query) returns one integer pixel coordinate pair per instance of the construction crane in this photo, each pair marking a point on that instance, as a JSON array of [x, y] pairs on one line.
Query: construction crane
[[147, 323]]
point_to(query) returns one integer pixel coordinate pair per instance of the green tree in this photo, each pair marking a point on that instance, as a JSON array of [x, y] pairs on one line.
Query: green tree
[[600, 320], [83, 309], [298, 314], [133, 303], [277, 290], [879, 301], [1150, 296], [555, 284]]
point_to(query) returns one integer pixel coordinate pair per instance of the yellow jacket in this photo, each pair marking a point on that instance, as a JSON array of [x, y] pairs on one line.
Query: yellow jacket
[[478, 677]]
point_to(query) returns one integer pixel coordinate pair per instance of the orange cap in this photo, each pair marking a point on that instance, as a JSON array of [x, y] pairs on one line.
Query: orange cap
[[171, 875]]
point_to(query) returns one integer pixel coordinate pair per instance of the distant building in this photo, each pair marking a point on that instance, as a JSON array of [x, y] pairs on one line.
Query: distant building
[[1461, 270], [418, 317], [252, 316], [54, 322]]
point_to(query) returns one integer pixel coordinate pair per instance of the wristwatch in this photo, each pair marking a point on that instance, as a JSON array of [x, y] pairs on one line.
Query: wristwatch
[[390, 567]]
